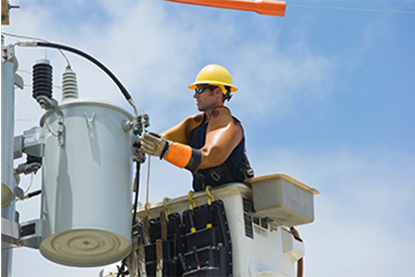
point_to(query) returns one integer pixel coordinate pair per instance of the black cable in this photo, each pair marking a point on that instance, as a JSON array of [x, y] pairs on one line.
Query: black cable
[[31, 194], [92, 59], [123, 269], [136, 187]]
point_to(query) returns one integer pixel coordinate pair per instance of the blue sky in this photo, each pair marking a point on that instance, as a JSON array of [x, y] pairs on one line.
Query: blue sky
[[325, 96]]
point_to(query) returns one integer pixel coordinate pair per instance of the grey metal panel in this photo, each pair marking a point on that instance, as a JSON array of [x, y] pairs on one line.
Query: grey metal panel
[[9, 213], [9, 231], [7, 132]]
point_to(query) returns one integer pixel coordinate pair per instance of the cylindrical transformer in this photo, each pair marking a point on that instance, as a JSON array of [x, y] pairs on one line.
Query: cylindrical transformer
[[86, 184], [7, 132]]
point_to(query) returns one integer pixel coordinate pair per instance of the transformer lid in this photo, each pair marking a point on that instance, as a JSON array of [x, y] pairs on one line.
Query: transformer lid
[[85, 247]]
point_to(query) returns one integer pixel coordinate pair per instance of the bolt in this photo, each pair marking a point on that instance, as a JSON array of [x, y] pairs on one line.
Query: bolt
[[14, 7]]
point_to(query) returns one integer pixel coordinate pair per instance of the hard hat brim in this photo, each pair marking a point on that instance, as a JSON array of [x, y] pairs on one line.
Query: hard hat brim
[[213, 83]]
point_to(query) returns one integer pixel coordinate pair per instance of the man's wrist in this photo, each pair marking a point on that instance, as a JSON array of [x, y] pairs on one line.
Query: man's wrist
[[165, 150]]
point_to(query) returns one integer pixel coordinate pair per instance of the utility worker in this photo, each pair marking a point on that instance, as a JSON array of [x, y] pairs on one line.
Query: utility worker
[[211, 144]]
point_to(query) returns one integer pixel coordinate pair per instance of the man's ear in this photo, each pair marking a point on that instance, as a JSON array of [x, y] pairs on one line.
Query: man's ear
[[218, 92]]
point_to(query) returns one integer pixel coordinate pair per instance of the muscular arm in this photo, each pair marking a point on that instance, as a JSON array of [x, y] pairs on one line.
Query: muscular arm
[[180, 132], [224, 133]]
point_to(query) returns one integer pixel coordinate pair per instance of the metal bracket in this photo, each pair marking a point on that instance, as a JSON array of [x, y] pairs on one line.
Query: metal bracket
[[89, 120], [32, 142], [10, 52], [10, 231], [139, 123], [49, 104], [18, 81], [31, 233], [61, 130], [27, 168], [26, 234]]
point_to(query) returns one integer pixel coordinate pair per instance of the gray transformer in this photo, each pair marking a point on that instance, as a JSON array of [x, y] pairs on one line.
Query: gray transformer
[[86, 188]]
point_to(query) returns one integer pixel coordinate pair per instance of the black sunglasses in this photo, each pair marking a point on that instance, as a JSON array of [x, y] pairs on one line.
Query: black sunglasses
[[200, 90]]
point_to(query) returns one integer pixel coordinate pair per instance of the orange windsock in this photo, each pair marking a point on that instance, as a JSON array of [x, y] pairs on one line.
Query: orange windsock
[[266, 7]]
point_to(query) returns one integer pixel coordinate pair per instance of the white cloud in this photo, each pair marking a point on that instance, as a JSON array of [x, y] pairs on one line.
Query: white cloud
[[281, 81], [362, 216], [155, 57]]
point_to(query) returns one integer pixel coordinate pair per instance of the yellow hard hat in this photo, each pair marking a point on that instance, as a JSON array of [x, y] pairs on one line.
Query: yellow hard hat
[[215, 75]]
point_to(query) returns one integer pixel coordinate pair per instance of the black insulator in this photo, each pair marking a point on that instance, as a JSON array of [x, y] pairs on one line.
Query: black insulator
[[32, 159], [42, 79]]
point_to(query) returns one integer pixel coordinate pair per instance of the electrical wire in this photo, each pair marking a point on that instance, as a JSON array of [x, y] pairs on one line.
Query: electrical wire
[[136, 187], [31, 85], [93, 60], [55, 86], [22, 36], [348, 9], [90, 58], [47, 126], [40, 39], [24, 119], [300, 262], [25, 71], [147, 193], [85, 55], [17, 198], [11, 247]]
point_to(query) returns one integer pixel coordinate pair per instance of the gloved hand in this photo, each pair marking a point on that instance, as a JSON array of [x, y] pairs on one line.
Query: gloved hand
[[155, 145]]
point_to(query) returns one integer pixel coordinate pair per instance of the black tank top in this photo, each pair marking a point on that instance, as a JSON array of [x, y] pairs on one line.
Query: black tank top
[[230, 171]]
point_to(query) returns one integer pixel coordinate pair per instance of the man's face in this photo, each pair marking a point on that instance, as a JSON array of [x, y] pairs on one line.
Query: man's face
[[205, 100]]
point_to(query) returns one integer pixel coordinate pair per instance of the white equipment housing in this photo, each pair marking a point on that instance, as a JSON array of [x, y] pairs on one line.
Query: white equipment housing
[[283, 199], [261, 246], [86, 189]]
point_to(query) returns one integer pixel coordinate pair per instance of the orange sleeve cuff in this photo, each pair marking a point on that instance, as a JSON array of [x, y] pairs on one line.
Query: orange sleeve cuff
[[179, 154]]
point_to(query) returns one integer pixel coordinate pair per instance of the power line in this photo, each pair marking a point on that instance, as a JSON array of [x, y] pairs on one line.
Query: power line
[[350, 9]]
